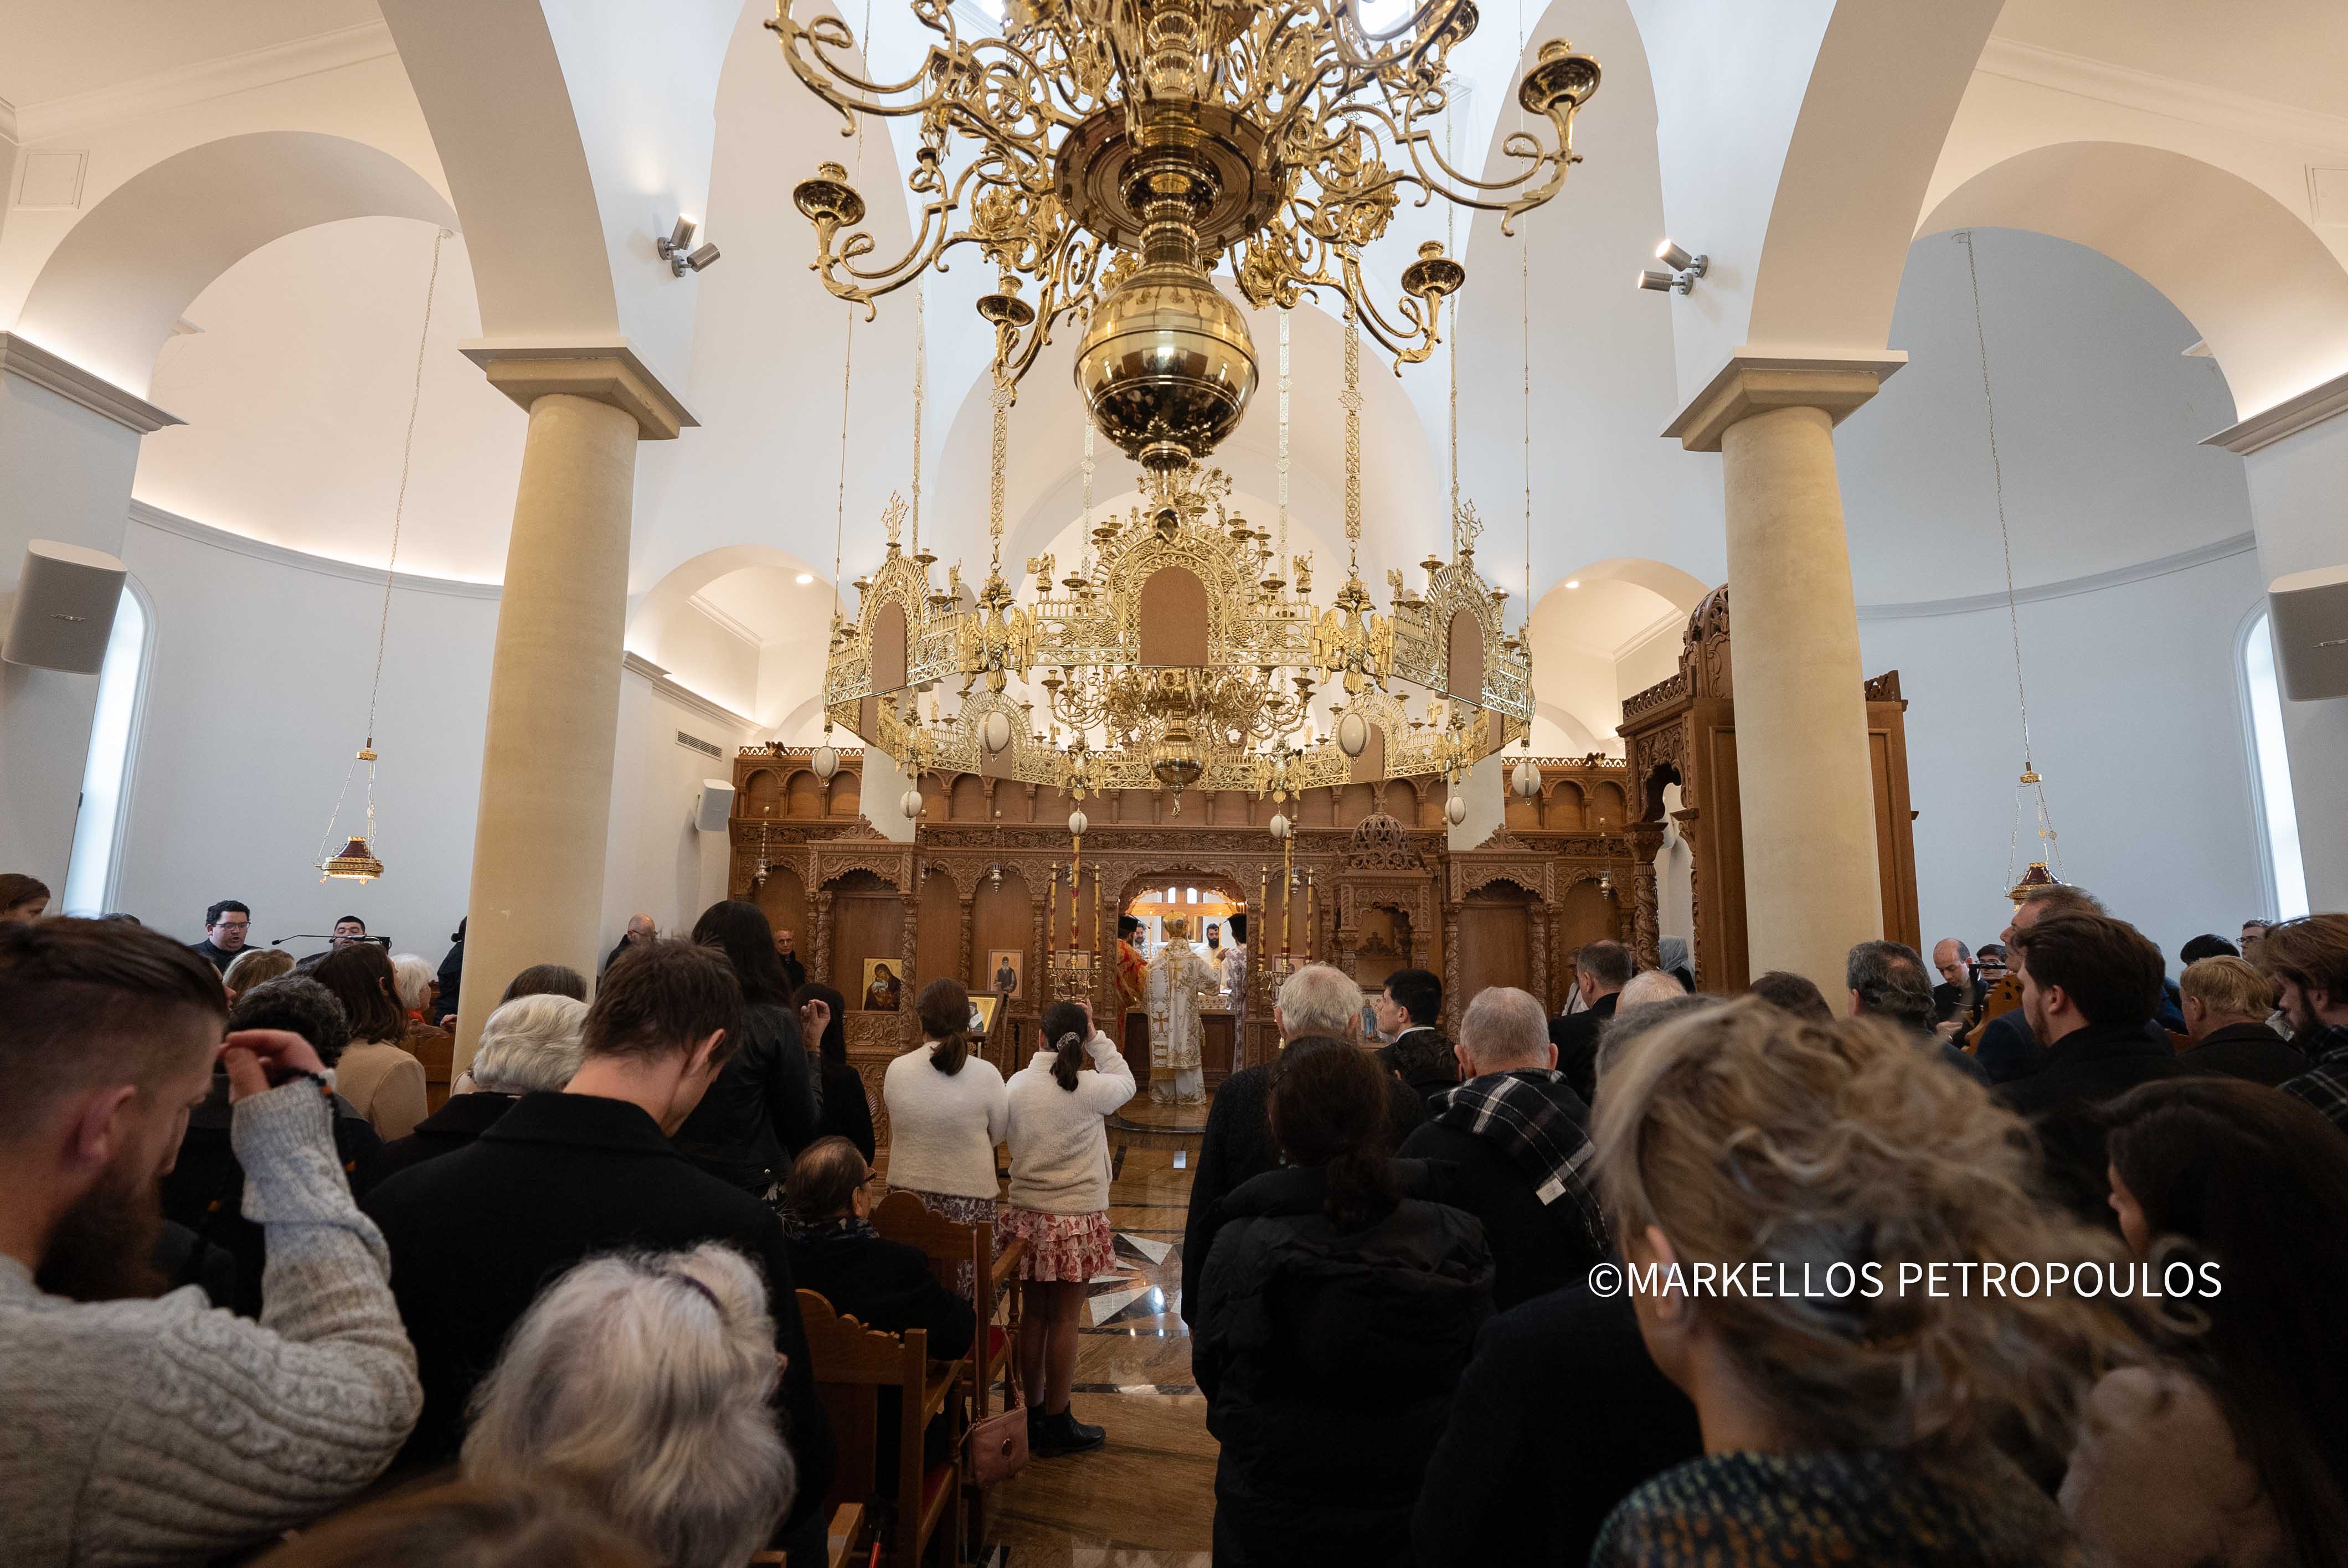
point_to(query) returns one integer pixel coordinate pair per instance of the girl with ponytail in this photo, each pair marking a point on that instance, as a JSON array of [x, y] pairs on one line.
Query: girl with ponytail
[[946, 1113], [1059, 1205], [1342, 1261]]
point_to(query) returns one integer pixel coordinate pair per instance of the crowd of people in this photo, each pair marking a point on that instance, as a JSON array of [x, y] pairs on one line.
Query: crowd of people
[[2024, 1256]]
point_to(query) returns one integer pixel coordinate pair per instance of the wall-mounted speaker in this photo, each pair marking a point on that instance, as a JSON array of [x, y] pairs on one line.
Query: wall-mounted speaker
[[2310, 610], [66, 601], [716, 805]]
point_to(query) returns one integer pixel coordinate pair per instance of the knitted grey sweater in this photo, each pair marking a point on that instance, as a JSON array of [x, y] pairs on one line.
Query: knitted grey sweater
[[160, 1431]]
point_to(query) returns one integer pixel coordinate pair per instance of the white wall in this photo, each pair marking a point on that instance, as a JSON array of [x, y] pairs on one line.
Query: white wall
[[64, 475], [657, 862], [259, 697], [2138, 731]]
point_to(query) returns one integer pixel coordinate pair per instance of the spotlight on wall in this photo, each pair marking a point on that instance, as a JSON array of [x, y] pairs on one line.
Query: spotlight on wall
[[672, 248], [1679, 271]]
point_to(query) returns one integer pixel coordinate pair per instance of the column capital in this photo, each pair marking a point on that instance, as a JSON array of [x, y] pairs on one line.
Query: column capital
[[1753, 382], [606, 370]]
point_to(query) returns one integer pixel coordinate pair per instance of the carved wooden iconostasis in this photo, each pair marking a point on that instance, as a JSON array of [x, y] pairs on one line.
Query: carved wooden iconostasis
[[1379, 889], [1683, 731], [989, 865]]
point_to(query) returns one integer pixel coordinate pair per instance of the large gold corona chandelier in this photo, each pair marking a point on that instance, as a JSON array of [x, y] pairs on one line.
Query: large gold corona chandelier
[[1114, 152]]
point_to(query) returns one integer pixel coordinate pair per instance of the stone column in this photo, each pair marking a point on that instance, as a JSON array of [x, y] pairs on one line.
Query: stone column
[[555, 676], [1805, 784]]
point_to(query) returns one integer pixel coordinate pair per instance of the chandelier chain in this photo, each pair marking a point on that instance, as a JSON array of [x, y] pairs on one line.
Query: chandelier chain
[[1997, 480], [1001, 454], [1352, 403], [921, 393], [399, 507], [839, 503], [1451, 356], [1282, 555]]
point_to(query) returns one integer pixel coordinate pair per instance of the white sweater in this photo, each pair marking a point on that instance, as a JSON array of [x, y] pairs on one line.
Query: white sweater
[[943, 1130], [1059, 1148], [150, 1432]]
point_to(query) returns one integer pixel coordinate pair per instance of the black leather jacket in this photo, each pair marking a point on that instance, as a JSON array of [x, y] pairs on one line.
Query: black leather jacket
[[762, 1110]]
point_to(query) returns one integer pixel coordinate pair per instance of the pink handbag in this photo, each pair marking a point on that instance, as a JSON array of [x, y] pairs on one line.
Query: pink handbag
[[995, 1448]]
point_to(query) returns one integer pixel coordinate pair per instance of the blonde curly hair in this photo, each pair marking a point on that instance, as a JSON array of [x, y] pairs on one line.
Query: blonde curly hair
[[1748, 1136]]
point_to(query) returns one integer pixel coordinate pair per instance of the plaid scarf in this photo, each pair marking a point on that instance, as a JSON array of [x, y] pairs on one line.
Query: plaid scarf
[[841, 1227], [1529, 1114]]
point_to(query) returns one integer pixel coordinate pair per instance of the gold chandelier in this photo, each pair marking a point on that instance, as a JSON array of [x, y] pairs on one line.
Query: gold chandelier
[[1114, 152], [1176, 654]]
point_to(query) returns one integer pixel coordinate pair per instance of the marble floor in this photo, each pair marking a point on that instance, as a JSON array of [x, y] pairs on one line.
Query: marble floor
[[1145, 1500]]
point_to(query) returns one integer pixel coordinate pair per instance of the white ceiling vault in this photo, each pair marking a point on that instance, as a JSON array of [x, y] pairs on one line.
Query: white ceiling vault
[[561, 140]]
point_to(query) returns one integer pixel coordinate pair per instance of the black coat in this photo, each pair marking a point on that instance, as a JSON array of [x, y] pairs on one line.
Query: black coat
[[845, 1112], [2083, 1071], [883, 1285], [1536, 1247], [2008, 1050], [1575, 1035], [2249, 1050], [1560, 1414], [1237, 1145], [761, 1110], [1328, 1361], [205, 1189], [452, 978], [452, 1127], [475, 1235], [1423, 1059]]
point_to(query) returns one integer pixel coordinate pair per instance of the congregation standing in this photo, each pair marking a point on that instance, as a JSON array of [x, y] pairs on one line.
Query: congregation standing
[[251, 1274]]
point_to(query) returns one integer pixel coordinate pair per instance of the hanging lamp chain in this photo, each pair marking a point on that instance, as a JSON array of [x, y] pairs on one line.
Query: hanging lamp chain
[[839, 503], [1997, 481], [407, 460]]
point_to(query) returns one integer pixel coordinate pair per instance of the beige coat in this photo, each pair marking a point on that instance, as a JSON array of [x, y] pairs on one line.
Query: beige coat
[[2159, 1481], [386, 1083]]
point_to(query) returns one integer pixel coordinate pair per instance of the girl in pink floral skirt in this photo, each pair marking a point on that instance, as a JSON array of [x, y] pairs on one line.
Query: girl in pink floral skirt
[[1059, 1205]]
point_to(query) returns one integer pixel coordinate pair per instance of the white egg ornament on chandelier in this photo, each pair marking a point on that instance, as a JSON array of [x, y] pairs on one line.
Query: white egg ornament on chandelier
[[910, 803], [825, 758], [995, 731], [1456, 808], [1352, 734], [1526, 779]]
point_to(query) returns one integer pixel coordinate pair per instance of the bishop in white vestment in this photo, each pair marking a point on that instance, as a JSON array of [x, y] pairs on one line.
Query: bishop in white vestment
[[1179, 980]]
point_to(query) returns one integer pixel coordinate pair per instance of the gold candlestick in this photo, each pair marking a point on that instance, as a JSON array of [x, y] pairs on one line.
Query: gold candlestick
[[1312, 910]]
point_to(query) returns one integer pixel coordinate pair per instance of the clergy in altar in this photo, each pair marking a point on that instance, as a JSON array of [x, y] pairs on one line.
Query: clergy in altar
[[1181, 981]]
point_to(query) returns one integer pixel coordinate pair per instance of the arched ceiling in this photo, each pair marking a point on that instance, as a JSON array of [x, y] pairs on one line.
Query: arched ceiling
[[762, 344]]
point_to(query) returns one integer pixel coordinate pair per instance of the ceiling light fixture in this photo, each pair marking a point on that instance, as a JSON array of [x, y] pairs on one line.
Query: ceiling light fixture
[[1574, 582], [1679, 271], [804, 578], [673, 250]]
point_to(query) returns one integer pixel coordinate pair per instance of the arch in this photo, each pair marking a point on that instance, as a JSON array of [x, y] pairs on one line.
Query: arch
[[109, 294], [762, 793], [966, 801], [2268, 296], [1608, 809], [803, 794], [1463, 643], [1565, 808]]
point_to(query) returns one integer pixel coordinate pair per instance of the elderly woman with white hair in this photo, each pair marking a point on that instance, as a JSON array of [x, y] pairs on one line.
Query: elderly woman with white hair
[[528, 1046], [642, 1383], [417, 984]]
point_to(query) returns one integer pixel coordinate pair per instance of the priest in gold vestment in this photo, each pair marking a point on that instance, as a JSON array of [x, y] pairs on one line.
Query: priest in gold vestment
[[1179, 980]]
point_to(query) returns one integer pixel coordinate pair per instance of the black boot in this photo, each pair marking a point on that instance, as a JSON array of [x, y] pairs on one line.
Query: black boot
[[1052, 1437]]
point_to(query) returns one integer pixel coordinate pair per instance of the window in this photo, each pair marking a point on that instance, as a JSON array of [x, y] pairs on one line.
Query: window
[[2270, 800], [92, 874]]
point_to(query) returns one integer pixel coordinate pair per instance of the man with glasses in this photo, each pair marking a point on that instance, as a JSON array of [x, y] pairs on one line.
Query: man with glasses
[[225, 925]]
